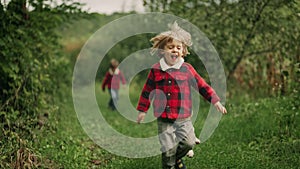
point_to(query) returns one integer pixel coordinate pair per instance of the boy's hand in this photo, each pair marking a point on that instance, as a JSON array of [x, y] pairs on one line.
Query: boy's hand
[[220, 108], [141, 117]]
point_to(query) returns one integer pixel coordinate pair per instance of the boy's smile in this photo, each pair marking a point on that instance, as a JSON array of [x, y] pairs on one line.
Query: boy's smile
[[173, 51]]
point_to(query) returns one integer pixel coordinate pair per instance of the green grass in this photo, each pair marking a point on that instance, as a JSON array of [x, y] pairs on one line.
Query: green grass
[[262, 133]]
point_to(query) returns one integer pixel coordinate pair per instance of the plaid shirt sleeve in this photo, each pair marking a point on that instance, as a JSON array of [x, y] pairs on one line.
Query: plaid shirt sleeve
[[144, 101], [105, 80], [123, 80], [203, 88]]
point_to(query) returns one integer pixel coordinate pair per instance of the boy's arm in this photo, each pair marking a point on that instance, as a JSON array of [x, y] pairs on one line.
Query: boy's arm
[[144, 101], [207, 91], [203, 88], [141, 117], [104, 82], [220, 108], [122, 78]]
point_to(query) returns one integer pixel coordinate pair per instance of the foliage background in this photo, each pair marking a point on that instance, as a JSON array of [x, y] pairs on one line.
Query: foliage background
[[258, 42]]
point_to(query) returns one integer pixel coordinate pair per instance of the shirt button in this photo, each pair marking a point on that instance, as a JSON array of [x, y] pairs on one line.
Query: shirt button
[[169, 81], [168, 109], [168, 95]]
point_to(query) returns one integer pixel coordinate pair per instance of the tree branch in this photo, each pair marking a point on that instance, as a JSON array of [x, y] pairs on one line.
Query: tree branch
[[248, 39], [262, 51]]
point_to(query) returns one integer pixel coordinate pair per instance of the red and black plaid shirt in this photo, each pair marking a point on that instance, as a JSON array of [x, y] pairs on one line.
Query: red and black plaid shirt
[[171, 90], [112, 80]]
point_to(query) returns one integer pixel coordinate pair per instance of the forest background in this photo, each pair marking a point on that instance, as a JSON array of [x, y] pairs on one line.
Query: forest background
[[258, 43]]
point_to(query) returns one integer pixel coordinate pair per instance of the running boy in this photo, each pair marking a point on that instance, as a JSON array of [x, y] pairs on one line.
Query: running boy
[[112, 80], [169, 83]]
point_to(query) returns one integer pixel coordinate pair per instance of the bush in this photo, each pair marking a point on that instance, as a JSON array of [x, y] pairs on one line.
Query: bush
[[32, 68]]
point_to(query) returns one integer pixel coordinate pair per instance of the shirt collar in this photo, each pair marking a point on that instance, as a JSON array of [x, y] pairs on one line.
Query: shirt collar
[[116, 72], [164, 66]]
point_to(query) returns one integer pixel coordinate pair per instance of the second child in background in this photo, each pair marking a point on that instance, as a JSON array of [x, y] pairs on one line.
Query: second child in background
[[112, 80]]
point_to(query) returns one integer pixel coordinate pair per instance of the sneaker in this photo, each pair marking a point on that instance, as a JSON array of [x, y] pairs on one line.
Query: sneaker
[[197, 141], [179, 164], [190, 154]]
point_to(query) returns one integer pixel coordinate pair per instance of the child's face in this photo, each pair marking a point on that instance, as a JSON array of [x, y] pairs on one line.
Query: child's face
[[173, 52]]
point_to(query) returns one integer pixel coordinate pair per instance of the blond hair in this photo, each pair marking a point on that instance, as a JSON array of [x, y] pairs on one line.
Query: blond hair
[[160, 41], [175, 32]]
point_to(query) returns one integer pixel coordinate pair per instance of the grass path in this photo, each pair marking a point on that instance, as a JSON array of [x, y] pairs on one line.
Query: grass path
[[262, 134]]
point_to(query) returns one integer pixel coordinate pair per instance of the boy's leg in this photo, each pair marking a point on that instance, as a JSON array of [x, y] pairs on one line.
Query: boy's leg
[[110, 99], [168, 143], [185, 136], [114, 98], [197, 141]]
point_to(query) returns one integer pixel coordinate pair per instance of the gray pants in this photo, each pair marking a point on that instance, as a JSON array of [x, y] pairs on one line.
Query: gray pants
[[114, 96], [176, 139]]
